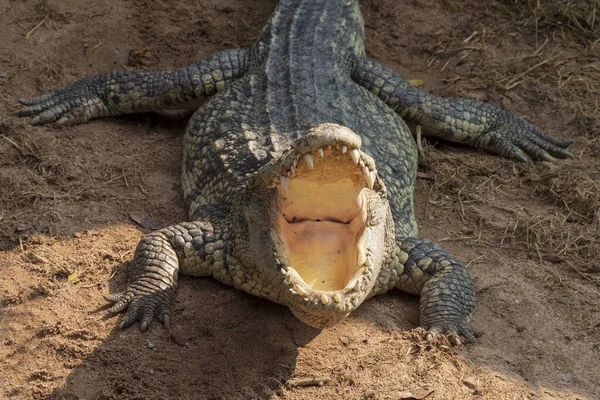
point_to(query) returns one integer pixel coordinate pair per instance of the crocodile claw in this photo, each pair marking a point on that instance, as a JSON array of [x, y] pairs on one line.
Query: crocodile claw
[[140, 306], [74, 104], [515, 138], [454, 330]]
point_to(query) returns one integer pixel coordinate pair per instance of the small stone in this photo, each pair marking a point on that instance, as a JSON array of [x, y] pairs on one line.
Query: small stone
[[150, 345], [470, 384], [521, 328], [566, 377], [345, 340]]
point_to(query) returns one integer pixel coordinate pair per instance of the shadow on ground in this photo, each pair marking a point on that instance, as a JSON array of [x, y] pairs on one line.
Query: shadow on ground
[[231, 346]]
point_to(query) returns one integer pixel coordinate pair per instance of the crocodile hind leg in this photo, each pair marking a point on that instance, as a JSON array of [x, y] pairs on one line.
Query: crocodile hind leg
[[194, 247], [445, 286], [470, 122], [126, 92]]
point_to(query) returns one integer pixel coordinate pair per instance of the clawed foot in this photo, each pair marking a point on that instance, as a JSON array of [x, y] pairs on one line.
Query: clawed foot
[[454, 331], [513, 137], [74, 104], [142, 305]]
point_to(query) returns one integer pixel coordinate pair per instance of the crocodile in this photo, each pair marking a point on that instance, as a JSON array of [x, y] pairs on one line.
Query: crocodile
[[298, 172]]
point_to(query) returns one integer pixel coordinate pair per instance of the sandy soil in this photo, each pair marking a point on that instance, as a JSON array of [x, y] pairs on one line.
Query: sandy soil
[[530, 233]]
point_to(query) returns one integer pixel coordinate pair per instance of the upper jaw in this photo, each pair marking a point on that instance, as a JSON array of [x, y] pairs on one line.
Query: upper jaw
[[322, 136]]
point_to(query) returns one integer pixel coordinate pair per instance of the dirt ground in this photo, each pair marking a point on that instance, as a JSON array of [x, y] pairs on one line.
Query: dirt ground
[[529, 233]]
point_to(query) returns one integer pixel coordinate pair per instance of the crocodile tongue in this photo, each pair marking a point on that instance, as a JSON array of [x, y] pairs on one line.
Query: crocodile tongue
[[320, 253]]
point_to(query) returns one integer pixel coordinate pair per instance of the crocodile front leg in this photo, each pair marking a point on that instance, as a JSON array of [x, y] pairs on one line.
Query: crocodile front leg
[[445, 286], [194, 247], [470, 122], [126, 92]]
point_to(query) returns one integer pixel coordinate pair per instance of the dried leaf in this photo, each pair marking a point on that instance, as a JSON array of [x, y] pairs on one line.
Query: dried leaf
[[416, 82], [146, 221], [419, 394], [176, 338], [73, 277]]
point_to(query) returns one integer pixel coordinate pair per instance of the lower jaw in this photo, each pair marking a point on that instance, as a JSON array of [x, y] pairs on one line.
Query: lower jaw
[[324, 307], [319, 320]]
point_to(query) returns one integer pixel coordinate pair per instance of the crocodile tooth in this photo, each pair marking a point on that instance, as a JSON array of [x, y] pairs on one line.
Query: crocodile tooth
[[294, 164], [324, 299], [351, 284], [337, 298], [292, 291], [356, 286], [370, 177], [300, 290], [355, 155], [283, 271], [309, 161], [362, 256], [329, 146], [285, 183], [320, 151], [306, 299], [344, 149]]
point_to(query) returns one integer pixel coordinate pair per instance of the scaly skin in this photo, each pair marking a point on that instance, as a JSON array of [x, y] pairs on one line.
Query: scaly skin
[[470, 122], [304, 91], [126, 92], [194, 247]]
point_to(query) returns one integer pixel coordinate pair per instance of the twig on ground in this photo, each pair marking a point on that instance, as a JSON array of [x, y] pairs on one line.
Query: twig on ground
[[304, 382], [30, 32]]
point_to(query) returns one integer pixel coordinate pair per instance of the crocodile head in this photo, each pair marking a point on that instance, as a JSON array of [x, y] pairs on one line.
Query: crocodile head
[[316, 222]]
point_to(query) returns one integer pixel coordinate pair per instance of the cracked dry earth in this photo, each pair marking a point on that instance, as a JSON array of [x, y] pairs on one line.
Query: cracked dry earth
[[528, 232]]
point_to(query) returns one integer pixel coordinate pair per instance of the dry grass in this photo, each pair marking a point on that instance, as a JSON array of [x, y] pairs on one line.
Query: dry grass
[[557, 62], [575, 189], [492, 199], [557, 42]]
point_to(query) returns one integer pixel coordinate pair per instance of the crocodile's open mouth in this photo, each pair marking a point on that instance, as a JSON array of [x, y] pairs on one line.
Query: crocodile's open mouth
[[321, 219], [318, 214]]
